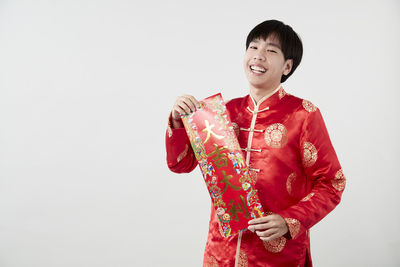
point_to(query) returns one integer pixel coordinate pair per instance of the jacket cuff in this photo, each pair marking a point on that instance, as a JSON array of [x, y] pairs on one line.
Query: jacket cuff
[[295, 228]]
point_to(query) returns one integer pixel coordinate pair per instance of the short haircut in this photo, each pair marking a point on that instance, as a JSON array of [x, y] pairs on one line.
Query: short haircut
[[290, 42]]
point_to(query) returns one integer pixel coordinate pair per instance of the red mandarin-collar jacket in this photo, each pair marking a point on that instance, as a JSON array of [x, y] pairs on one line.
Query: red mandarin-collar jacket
[[296, 172]]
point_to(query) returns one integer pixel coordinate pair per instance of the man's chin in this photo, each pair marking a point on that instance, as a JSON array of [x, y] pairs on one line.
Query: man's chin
[[263, 86], [258, 85]]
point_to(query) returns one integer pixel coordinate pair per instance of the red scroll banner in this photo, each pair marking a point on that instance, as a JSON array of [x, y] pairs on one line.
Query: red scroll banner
[[222, 164]]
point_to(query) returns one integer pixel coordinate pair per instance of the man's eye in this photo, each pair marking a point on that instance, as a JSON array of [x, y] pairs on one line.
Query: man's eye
[[253, 47], [273, 51]]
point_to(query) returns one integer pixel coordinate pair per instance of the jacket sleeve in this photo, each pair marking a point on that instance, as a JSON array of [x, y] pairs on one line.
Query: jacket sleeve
[[322, 169], [180, 156]]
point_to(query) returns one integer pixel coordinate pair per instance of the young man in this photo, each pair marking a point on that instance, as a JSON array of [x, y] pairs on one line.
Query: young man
[[287, 148]]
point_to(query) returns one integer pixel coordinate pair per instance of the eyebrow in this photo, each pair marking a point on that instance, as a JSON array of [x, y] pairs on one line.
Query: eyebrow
[[271, 44]]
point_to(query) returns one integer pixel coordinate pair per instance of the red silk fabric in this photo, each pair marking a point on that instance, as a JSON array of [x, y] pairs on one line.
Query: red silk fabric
[[298, 176]]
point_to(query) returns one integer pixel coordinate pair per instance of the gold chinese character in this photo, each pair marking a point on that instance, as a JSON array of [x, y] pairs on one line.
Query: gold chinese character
[[210, 132], [220, 159], [226, 182], [234, 209]]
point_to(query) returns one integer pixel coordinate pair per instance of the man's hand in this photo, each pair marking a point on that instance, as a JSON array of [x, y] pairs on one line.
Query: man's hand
[[183, 105], [269, 227]]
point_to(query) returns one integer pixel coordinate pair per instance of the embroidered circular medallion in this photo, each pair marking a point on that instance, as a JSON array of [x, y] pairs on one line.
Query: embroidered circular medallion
[[275, 245], [235, 128], [308, 197], [212, 262], [340, 181], [289, 182], [276, 135], [220, 211], [307, 105], [310, 154], [243, 262], [226, 217]]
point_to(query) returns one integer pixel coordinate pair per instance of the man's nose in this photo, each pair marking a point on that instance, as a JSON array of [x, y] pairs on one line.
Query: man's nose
[[259, 56]]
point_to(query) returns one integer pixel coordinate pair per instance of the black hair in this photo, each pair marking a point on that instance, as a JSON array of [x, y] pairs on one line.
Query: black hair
[[290, 42]]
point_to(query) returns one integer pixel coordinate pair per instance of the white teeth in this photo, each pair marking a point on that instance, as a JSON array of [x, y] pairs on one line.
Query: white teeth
[[257, 69]]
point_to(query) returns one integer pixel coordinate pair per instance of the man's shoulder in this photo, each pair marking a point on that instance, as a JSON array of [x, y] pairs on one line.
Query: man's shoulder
[[301, 103]]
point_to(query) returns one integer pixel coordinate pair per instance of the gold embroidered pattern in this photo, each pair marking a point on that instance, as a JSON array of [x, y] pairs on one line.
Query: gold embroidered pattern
[[169, 130], [293, 225], [310, 154], [307, 105], [212, 262], [282, 93], [308, 197], [235, 128], [339, 182], [253, 176], [291, 178], [183, 154], [243, 261], [276, 135], [275, 245]]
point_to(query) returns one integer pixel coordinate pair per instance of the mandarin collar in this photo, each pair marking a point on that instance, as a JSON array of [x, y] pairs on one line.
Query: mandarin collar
[[267, 101]]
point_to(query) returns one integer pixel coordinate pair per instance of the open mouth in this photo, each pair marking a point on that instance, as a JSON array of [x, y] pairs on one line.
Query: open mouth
[[257, 69]]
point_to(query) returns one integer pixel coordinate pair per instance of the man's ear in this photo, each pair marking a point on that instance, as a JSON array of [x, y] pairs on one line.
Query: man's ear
[[288, 66]]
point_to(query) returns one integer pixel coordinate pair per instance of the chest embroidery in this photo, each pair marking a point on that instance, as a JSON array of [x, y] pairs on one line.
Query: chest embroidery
[[276, 135]]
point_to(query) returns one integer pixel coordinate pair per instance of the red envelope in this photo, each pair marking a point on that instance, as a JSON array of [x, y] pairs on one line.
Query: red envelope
[[222, 164]]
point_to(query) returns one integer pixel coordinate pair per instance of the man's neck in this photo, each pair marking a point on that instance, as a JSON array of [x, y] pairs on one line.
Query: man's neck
[[258, 93]]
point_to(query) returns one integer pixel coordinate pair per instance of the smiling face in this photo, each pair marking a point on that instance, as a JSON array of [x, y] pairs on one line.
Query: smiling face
[[264, 64]]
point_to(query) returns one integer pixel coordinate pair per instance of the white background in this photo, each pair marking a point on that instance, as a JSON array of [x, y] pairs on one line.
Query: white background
[[85, 91]]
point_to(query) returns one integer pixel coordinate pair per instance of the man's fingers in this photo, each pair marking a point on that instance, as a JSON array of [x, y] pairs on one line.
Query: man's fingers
[[185, 104], [179, 110], [260, 220], [263, 226], [188, 102], [267, 233], [187, 107], [271, 237], [194, 101]]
